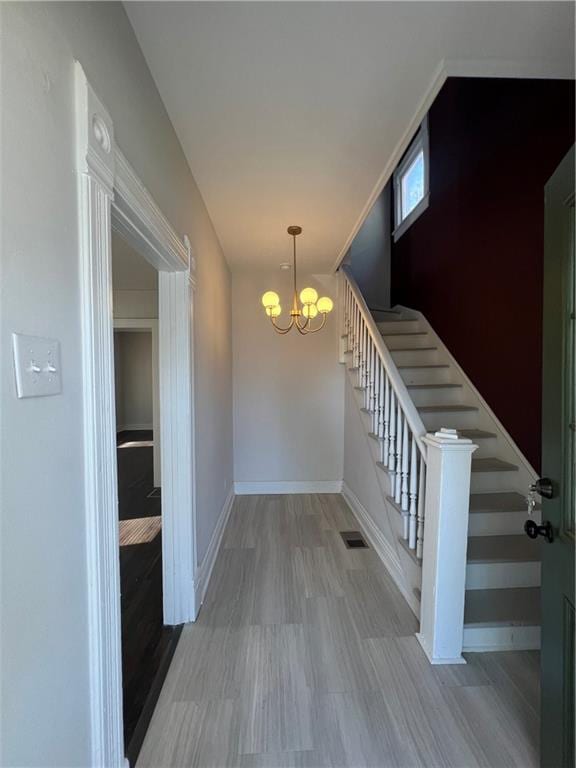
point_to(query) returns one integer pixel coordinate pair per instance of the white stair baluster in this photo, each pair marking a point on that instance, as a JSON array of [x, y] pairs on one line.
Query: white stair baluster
[[365, 358], [405, 467], [361, 355], [356, 356], [420, 526], [387, 411], [351, 333], [398, 450], [376, 393], [381, 397], [346, 309], [368, 371], [392, 441], [413, 494]]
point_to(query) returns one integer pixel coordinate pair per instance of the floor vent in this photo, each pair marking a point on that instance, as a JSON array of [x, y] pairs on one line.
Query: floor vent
[[353, 540]]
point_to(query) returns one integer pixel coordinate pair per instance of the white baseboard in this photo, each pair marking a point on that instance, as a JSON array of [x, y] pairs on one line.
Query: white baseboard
[[382, 547], [204, 570], [133, 427], [505, 638], [287, 487]]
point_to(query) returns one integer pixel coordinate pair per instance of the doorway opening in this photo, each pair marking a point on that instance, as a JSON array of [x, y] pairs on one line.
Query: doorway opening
[[147, 643]]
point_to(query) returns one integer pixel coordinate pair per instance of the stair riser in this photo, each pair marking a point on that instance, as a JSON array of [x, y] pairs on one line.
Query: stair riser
[[501, 639], [412, 326], [459, 419], [502, 575], [487, 447], [410, 357], [484, 482], [496, 523], [425, 375], [448, 396], [412, 342]]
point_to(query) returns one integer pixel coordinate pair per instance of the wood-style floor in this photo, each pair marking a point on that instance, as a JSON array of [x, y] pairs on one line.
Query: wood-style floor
[[304, 655], [145, 641]]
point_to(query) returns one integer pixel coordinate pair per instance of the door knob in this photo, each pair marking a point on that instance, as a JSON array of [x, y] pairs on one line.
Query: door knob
[[544, 487], [533, 530]]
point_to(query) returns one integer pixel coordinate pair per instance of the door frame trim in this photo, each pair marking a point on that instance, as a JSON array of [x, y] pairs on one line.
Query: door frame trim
[[111, 196]]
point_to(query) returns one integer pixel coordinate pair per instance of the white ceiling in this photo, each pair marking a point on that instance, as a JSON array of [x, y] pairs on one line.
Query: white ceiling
[[290, 112]]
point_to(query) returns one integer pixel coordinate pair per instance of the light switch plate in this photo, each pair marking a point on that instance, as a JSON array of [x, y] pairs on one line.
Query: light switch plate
[[37, 366]]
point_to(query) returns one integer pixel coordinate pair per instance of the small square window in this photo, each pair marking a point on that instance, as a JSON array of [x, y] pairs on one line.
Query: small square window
[[411, 183]]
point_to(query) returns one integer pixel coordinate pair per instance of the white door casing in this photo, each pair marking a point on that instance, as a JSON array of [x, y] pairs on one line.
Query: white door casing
[[110, 195]]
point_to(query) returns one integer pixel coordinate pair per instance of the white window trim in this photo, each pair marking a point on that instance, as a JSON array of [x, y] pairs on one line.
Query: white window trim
[[420, 143]]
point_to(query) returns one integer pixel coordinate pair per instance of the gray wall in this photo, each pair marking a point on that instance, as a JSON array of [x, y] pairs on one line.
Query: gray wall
[[43, 632], [133, 360], [370, 253], [288, 390]]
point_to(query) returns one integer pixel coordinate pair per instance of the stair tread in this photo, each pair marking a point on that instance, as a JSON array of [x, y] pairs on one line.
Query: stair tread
[[517, 605], [503, 549], [434, 386], [507, 501], [422, 365], [445, 408], [492, 464]]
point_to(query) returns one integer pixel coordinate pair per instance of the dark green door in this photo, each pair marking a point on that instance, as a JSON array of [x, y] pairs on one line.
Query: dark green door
[[558, 464]]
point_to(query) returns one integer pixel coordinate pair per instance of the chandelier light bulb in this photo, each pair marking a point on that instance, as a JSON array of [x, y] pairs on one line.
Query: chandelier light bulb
[[310, 310], [308, 296], [301, 319], [270, 299], [325, 305]]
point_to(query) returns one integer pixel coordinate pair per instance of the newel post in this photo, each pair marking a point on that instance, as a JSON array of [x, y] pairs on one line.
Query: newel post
[[448, 468]]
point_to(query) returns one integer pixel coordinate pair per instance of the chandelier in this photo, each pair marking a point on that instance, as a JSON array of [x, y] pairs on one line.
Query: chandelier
[[312, 306]]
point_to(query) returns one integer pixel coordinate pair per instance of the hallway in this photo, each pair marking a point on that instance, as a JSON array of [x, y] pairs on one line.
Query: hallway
[[304, 655]]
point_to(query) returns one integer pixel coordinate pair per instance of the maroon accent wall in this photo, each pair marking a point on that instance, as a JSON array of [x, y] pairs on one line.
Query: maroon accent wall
[[472, 262]]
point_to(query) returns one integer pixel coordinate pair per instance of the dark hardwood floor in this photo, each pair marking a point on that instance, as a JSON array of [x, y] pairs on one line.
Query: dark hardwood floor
[[147, 645]]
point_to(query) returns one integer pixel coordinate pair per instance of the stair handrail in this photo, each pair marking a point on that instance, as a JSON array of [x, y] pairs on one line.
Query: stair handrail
[[401, 391]]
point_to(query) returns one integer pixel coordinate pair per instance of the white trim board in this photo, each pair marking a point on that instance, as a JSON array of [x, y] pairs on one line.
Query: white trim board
[[448, 68], [204, 570], [381, 546], [257, 488]]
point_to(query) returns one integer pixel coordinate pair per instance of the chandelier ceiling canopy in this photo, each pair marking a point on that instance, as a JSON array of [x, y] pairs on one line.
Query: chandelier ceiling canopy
[[300, 317]]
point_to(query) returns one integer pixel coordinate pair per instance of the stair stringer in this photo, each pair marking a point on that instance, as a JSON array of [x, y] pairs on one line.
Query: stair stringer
[[379, 519]]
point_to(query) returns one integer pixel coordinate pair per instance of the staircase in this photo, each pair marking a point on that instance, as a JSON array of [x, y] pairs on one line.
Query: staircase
[[502, 600]]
